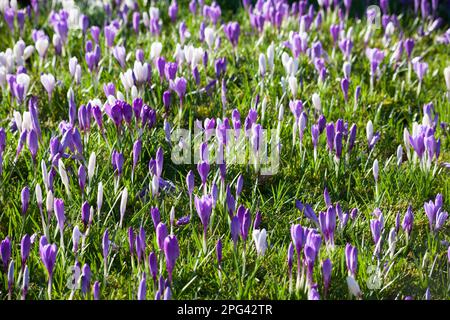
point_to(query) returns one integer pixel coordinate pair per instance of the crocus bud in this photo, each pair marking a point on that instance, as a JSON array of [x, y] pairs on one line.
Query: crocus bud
[[25, 245], [326, 273], [317, 103], [58, 205], [142, 290], [260, 239], [25, 198], [375, 170], [10, 277], [82, 177], [161, 234], [353, 287], [91, 166], [123, 205], [96, 290], [171, 252], [99, 197], [105, 245], [26, 282], [76, 235], [190, 182], [153, 265]]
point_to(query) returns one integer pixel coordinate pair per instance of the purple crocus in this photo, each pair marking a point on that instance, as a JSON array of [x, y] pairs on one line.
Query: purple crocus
[[161, 234], [351, 259], [5, 252], [203, 206], [171, 252], [232, 31], [235, 227], [408, 221], [48, 254], [326, 273], [25, 198]]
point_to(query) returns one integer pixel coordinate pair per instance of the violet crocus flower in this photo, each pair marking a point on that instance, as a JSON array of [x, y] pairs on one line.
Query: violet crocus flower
[[329, 129], [408, 221], [105, 251], [85, 279], [326, 273], [232, 31], [25, 198], [344, 87], [25, 245], [96, 290], [235, 227], [203, 170], [48, 254], [5, 252], [376, 227], [203, 206], [179, 86], [142, 290], [171, 252], [327, 222], [173, 11], [137, 147], [58, 205], [161, 234], [351, 258]]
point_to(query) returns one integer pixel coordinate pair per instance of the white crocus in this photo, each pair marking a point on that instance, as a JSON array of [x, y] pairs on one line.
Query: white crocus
[[99, 197], [155, 50], [209, 37], [316, 102], [123, 205], [91, 166], [63, 174], [293, 86], [353, 287], [270, 56], [42, 46], [260, 239]]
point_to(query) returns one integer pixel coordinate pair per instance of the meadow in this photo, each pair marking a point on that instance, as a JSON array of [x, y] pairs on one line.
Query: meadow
[[224, 150]]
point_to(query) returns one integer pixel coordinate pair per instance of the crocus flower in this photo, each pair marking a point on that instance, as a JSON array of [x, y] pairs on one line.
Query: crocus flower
[[105, 249], [123, 205], [48, 254], [408, 221], [171, 252], [5, 252], [260, 239], [58, 205], [203, 206], [353, 287], [48, 81], [351, 258], [142, 290], [96, 290], [25, 245], [25, 198], [235, 227], [153, 265], [326, 273], [85, 278], [179, 86], [232, 31], [161, 234]]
